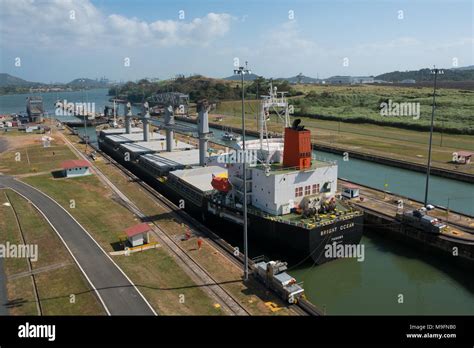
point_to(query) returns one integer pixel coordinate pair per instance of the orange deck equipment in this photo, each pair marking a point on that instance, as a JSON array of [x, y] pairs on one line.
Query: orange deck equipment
[[297, 150], [221, 184]]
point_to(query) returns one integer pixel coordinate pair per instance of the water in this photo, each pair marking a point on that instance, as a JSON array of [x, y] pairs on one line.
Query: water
[[16, 103], [458, 195], [390, 269], [428, 285]]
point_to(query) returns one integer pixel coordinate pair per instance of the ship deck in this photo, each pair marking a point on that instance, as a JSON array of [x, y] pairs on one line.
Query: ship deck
[[133, 137], [142, 147], [199, 178], [341, 212], [278, 168]]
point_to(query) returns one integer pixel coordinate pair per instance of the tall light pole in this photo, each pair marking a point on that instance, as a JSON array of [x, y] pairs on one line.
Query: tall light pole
[[435, 71], [242, 71]]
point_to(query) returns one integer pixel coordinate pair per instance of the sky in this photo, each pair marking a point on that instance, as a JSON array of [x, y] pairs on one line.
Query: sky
[[59, 40]]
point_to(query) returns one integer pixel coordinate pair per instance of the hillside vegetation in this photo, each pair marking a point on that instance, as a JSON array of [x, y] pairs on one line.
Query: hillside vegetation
[[198, 87], [362, 104], [421, 75]]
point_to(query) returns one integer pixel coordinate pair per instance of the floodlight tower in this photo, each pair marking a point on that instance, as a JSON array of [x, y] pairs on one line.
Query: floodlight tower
[[243, 71], [435, 72]]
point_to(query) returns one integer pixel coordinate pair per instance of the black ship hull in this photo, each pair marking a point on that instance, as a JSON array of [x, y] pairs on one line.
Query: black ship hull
[[278, 239], [291, 241]]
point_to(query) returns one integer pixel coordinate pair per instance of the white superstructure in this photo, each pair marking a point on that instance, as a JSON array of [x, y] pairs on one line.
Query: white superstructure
[[273, 187]]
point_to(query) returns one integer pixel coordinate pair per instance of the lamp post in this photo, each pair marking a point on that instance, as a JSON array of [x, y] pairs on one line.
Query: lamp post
[[435, 71], [242, 71]]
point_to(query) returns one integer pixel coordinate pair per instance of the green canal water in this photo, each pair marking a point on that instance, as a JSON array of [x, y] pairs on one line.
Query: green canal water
[[390, 269], [429, 285]]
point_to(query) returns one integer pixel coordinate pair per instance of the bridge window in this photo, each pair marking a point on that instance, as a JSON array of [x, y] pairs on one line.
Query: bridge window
[[298, 191]]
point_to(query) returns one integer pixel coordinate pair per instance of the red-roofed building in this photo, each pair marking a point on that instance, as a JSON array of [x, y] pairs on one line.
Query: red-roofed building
[[138, 234], [73, 168], [462, 157]]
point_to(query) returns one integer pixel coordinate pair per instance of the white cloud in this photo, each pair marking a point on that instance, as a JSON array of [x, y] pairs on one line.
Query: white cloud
[[59, 23]]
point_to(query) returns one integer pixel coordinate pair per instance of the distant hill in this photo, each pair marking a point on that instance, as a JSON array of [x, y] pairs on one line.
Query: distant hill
[[87, 83], [249, 77], [7, 80], [470, 67], [458, 74], [300, 78]]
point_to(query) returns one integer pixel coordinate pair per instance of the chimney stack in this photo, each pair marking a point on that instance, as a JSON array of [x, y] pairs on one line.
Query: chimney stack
[[297, 150]]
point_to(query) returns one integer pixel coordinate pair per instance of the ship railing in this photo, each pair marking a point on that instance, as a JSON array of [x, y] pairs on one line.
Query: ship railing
[[345, 216], [261, 258]]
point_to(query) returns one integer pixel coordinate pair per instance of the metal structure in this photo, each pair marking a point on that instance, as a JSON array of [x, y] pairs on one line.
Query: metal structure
[[203, 108], [146, 122], [35, 108], [128, 117], [435, 71], [169, 127], [179, 101], [277, 104], [242, 71]]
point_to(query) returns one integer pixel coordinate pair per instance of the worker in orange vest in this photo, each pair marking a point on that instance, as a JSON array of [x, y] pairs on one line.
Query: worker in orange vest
[[199, 243]]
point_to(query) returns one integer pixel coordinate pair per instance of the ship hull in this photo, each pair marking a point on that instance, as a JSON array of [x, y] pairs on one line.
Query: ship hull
[[278, 239], [292, 242]]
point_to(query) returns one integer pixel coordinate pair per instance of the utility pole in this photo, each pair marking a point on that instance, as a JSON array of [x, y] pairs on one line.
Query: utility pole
[[435, 71], [242, 71], [85, 120]]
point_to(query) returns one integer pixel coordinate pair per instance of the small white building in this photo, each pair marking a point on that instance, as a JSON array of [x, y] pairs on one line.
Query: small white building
[[462, 157], [350, 191], [138, 235], [73, 168]]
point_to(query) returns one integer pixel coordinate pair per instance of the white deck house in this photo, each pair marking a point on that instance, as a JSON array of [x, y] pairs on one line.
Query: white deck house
[[73, 168]]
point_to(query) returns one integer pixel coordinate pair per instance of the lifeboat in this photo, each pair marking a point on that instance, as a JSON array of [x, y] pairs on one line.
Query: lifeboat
[[221, 183]]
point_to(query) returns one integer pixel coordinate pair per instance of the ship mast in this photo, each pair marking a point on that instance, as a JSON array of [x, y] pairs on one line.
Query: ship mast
[[277, 102]]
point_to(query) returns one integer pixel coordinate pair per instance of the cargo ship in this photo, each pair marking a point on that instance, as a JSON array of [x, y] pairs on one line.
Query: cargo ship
[[293, 207]]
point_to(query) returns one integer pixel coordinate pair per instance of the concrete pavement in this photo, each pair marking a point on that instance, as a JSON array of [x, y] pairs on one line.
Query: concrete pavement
[[116, 292]]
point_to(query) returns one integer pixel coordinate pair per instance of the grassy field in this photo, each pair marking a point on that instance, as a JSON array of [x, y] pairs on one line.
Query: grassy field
[[154, 272], [454, 107], [223, 271], [27, 155], [393, 142], [56, 284]]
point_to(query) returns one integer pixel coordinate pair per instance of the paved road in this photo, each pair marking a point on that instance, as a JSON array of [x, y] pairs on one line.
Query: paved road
[[3, 279], [118, 294]]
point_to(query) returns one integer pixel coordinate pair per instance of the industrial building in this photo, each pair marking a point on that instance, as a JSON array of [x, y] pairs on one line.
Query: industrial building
[[35, 109]]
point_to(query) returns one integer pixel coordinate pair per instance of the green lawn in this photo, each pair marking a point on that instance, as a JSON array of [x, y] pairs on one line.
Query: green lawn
[[154, 271], [54, 286], [404, 144], [34, 159]]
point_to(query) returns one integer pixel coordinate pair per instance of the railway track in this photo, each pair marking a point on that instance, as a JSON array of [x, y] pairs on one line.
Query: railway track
[[303, 307], [227, 300]]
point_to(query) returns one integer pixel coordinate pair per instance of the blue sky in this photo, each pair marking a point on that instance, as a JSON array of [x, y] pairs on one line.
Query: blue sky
[[371, 36]]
